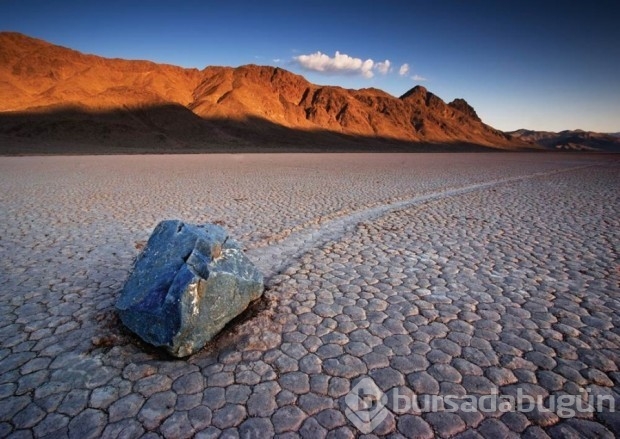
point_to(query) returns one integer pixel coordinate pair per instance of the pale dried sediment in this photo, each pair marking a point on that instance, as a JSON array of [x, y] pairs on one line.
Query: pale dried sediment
[[438, 274]]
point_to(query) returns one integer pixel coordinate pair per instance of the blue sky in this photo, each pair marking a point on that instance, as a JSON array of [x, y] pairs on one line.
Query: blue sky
[[546, 65]]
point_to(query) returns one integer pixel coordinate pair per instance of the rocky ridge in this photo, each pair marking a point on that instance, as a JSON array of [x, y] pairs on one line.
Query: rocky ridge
[[54, 94]]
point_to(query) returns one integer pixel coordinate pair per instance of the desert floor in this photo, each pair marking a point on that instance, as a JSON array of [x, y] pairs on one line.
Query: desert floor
[[432, 274]]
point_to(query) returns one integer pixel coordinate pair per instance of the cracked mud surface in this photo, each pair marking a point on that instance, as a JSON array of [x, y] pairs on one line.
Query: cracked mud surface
[[431, 274]]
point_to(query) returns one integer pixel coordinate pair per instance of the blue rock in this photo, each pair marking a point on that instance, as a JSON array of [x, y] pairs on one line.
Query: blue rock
[[188, 282]]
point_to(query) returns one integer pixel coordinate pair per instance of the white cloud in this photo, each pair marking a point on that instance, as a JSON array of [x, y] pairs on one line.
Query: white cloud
[[342, 63], [404, 69], [277, 60], [383, 67], [418, 78], [366, 68], [339, 63]]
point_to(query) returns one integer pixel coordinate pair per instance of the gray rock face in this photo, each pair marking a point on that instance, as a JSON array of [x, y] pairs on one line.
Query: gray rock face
[[189, 281]]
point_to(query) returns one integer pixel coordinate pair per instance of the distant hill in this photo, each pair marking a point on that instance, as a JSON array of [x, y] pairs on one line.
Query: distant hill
[[576, 140], [56, 99]]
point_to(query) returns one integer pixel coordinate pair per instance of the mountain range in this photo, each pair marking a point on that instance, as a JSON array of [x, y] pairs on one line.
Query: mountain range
[[570, 140], [57, 100]]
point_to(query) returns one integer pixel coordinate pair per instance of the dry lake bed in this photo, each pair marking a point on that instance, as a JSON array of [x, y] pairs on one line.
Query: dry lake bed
[[487, 283]]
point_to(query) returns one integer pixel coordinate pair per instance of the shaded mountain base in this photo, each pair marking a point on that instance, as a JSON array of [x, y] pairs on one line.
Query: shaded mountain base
[[176, 129]]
